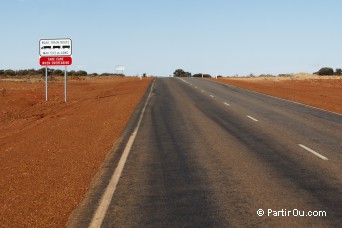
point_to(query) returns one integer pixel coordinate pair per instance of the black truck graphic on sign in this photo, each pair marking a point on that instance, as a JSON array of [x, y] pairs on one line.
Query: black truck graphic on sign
[[55, 47]]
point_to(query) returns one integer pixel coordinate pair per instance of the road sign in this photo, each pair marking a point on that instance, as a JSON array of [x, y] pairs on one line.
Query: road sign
[[55, 47], [55, 61], [119, 68], [55, 52]]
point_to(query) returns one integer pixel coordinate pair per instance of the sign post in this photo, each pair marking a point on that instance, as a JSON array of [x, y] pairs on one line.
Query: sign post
[[55, 52], [65, 84], [46, 84]]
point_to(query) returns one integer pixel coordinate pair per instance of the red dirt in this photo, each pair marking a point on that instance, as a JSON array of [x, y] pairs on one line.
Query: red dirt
[[321, 93], [50, 151]]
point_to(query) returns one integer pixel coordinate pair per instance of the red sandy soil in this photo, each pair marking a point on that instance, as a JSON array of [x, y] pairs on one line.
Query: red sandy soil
[[50, 151], [315, 91]]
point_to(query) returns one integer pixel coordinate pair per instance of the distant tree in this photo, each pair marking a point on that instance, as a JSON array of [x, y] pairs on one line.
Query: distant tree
[[181, 73], [326, 71], [144, 75], [338, 71], [22, 72], [41, 71], [81, 73], [33, 72], [72, 73], [1, 72], [178, 73], [58, 72], [50, 71], [9, 72]]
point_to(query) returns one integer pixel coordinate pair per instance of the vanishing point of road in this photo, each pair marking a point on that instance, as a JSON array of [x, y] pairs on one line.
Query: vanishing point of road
[[201, 154]]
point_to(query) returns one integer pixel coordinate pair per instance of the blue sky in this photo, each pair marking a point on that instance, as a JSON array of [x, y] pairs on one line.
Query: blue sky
[[225, 37]]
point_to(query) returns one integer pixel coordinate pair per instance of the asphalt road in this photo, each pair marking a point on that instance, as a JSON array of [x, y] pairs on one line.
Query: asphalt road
[[211, 155]]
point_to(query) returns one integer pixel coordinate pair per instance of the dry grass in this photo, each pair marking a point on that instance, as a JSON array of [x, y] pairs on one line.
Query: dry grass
[[298, 76]]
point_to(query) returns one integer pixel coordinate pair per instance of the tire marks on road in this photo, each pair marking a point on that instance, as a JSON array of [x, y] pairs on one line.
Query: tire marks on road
[[257, 120]]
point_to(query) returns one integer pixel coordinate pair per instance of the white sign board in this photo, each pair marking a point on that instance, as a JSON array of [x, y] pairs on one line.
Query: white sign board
[[120, 68], [55, 47]]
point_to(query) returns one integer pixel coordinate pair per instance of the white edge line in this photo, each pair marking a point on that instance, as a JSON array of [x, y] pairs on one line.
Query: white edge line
[[226, 103], [313, 152], [252, 118], [212, 96], [109, 192]]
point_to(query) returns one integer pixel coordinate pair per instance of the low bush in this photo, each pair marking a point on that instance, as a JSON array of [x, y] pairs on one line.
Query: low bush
[[58, 73], [199, 75], [326, 71], [9, 72]]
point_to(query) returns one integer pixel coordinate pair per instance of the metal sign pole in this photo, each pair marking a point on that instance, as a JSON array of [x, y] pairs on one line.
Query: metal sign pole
[[65, 84], [46, 84]]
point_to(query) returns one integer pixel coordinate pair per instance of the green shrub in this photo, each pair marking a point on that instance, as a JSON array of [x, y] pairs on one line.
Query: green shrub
[[326, 71], [9, 72], [71, 73], [81, 73], [41, 71], [199, 75], [338, 71], [58, 73]]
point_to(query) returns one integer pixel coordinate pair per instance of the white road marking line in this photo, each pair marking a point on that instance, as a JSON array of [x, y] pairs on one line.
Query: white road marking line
[[212, 96], [202, 91], [195, 87], [313, 152], [252, 118], [226, 103], [109, 192]]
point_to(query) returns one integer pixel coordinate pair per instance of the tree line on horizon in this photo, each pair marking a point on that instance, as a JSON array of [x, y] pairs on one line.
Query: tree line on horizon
[[51, 72], [325, 71]]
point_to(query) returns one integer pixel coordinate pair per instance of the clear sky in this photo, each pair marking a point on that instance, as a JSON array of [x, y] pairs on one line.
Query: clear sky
[[225, 37]]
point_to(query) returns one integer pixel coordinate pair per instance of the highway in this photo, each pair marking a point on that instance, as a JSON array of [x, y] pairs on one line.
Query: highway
[[211, 155]]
